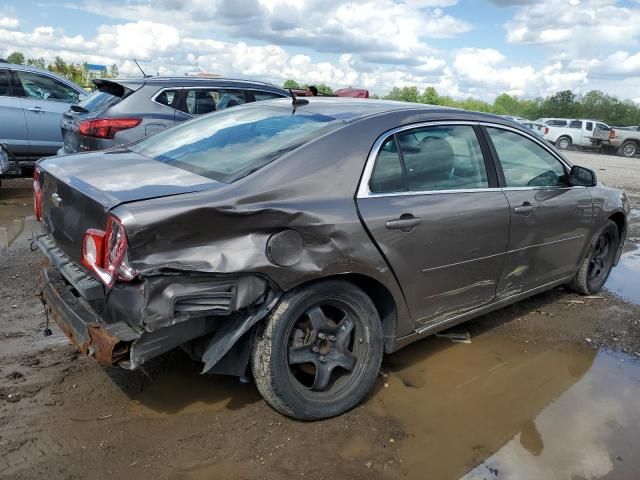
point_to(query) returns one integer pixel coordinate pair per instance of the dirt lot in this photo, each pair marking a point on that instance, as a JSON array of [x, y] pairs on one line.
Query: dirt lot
[[547, 388]]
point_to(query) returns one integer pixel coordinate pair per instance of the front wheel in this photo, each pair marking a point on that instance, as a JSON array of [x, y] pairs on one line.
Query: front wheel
[[319, 352], [597, 265]]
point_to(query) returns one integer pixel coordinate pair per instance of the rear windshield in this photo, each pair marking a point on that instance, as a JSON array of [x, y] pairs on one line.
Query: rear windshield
[[230, 144], [99, 100]]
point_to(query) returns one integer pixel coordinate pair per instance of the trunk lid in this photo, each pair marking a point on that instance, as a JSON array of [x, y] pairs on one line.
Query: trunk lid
[[107, 94], [79, 190]]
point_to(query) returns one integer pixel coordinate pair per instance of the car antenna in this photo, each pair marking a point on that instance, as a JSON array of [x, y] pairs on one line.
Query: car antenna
[[144, 75], [297, 102]]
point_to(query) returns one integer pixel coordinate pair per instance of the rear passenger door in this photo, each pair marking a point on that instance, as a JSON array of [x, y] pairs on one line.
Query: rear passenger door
[[13, 124], [550, 220], [429, 200]]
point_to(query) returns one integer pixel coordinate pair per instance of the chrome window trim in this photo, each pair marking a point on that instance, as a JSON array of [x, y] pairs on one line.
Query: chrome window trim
[[363, 188]]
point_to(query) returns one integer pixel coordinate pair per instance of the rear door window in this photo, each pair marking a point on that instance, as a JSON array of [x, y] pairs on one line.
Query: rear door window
[[430, 158], [260, 95], [200, 101], [589, 126], [42, 87]]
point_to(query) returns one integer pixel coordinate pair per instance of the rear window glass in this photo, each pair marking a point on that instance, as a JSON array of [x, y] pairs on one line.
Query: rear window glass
[[233, 143], [99, 100]]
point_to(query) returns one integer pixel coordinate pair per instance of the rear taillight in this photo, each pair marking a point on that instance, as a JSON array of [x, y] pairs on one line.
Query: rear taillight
[[546, 130], [37, 194], [106, 127], [105, 253], [612, 134]]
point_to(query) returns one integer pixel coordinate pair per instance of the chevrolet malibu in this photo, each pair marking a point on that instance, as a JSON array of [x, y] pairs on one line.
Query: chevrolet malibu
[[303, 239]]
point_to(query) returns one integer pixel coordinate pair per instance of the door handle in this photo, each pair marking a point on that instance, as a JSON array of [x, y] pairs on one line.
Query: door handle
[[405, 223], [36, 109], [525, 209]]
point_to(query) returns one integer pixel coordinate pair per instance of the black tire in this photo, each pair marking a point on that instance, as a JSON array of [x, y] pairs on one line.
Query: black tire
[[564, 143], [629, 149], [597, 264], [288, 346]]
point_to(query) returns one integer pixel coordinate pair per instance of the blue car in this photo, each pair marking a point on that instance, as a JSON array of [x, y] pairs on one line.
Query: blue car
[[32, 102]]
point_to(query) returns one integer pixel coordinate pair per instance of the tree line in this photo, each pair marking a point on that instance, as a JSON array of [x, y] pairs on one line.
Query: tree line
[[595, 104], [76, 72], [566, 104]]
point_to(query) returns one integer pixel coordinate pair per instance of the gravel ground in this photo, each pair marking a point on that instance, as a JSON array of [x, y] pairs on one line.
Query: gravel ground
[[64, 416]]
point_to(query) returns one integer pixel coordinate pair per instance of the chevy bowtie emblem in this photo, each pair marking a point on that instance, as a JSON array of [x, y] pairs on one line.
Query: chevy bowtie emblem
[[56, 200]]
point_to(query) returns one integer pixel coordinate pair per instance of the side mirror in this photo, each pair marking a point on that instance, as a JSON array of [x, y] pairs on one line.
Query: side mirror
[[582, 177]]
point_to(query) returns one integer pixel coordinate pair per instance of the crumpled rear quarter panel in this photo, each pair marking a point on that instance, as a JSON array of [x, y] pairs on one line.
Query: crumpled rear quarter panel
[[226, 230]]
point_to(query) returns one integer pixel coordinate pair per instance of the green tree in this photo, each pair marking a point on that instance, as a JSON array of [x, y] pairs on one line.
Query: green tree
[[430, 96], [113, 71], [290, 84], [37, 62], [16, 57], [405, 94], [324, 89]]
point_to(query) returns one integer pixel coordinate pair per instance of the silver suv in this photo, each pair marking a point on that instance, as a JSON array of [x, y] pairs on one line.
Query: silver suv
[[121, 111], [32, 102]]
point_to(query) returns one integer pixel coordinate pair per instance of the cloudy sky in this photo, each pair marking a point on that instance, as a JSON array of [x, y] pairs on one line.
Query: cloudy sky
[[464, 48]]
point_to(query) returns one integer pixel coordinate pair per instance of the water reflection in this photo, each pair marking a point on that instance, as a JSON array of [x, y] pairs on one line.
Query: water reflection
[[463, 404], [624, 279], [16, 216]]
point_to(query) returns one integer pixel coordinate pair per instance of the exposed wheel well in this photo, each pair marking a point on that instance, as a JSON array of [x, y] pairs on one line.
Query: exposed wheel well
[[619, 219], [381, 298]]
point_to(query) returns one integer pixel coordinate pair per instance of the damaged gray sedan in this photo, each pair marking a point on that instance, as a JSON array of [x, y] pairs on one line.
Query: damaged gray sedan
[[304, 239]]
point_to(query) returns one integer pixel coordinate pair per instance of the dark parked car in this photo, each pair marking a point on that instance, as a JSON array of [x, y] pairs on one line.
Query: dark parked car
[[308, 240], [121, 111], [32, 102]]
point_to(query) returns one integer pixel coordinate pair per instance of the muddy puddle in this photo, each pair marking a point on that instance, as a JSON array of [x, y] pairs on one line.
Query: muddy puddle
[[503, 409], [493, 409], [624, 280], [16, 216], [182, 390]]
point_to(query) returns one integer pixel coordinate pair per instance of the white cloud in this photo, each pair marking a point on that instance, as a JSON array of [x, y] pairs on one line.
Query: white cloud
[[376, 44], [9, 23]]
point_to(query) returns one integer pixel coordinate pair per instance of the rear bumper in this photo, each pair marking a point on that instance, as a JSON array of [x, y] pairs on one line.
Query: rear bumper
[[79, 321]]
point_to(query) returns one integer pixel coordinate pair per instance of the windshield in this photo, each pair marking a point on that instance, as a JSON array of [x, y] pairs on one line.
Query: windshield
[[231, 144]]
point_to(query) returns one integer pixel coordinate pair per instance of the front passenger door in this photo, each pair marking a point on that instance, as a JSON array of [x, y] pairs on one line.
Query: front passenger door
[[433, 210], [550, 220], [44, 100], [13, 125]]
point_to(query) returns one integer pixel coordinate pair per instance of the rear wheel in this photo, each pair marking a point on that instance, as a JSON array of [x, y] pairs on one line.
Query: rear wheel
[[629, 149], [597, 265], [319, 352], [563, 143]]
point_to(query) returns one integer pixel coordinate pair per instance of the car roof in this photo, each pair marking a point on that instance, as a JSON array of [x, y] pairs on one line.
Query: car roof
[[193, 81], [32, 69], [352, 109]]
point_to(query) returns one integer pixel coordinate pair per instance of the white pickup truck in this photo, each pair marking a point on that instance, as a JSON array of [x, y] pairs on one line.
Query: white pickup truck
[[627, 141], [565, 133]]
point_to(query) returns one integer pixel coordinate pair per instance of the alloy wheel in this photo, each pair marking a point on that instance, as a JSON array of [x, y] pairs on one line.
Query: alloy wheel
[[322, 351]]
